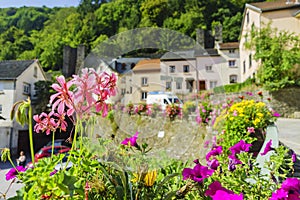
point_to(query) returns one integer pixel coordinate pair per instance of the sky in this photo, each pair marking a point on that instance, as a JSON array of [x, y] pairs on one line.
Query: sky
[[38, 3]]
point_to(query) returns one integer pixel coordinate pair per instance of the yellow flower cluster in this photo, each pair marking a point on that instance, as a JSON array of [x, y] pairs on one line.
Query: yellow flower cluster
[[255, 114], [148, 178]]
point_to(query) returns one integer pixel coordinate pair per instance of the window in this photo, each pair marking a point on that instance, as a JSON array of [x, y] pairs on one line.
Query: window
[[144, 81], [208, 68], [26, 88], [231, 50], [250, 60], [244, 67], [247, 16], [144, 95], [0, 108], [35, 71], [171, 68], [1, 88], [123, 80], [130, 90], [212, 84], [186, 68], [123, 91], [233, 78], [231, 63], [168, 85], [178, 85]]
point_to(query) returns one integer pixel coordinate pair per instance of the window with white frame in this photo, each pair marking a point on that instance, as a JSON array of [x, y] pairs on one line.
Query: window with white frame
[[144, 95], [1, 88], [178, 85], [244, 67], [172, 69], [0, 108], [35, 71], [233, 78], [231, 50], [123, 80], [212, 84], [208, 68], [123, 91], [26, 88], [168, 85], [186, 68], [144, 81], [247, 18], [130, 90], [250, 60], [231, 63]]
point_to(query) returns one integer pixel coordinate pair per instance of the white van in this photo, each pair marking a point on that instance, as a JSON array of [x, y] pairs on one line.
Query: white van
[[163, 99]]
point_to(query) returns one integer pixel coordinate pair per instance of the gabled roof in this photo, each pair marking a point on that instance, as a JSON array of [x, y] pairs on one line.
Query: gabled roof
[[11, 69], [275, 5], [179, 55], [147, 64]]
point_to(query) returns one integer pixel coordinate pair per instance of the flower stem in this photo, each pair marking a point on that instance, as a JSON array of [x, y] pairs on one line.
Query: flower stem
[[52, 150], [30, 132]]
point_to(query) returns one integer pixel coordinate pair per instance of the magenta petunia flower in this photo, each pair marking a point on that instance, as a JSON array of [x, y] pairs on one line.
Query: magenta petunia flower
[[267, 148], [224, 195], [12, 173], [217, 150], [239, 147], [233, 161], [276, 114], [213, 164], [290, 190], [197, 174], [214, 187], [294, 157], [131, 141]]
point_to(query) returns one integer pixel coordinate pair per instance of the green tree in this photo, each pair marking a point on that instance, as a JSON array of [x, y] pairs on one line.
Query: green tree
[[279, 55]]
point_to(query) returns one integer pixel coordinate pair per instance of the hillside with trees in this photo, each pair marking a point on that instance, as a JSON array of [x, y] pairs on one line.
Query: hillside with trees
[[30, 32]]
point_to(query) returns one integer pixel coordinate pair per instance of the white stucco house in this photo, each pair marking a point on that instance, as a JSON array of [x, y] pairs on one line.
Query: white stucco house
[[17, 78], [284, 15]]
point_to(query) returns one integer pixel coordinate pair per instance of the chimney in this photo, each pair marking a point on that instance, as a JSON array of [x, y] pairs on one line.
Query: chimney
[[69, 61], [200, 37], [218, 33], [80, 57]]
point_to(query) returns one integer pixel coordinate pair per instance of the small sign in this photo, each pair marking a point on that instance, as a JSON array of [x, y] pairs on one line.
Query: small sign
[[161, 134]]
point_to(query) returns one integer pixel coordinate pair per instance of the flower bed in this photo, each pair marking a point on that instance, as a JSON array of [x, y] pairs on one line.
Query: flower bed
[[124, 168]]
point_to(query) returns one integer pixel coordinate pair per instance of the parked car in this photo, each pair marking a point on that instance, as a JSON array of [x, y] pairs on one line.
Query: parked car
[[47, 151], [59, 142]]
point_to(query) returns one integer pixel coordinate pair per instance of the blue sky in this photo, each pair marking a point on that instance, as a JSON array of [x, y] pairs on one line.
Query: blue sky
[[38, 3]]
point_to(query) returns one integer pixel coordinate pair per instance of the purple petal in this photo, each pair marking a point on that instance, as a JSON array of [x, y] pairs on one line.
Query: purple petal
[[267, 148]]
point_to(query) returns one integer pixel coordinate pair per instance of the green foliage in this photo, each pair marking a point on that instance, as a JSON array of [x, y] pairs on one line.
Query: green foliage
[[279, 55], [28, 32], [235, 87]]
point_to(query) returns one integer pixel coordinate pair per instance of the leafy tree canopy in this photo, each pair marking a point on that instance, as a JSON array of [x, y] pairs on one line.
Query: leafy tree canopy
[[279, 55]]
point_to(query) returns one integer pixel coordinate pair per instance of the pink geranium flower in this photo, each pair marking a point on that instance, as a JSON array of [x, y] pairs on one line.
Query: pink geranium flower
[[63, 97]]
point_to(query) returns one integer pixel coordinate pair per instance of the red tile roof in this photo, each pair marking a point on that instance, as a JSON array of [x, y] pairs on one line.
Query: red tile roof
[[147, 64], [229, 45]]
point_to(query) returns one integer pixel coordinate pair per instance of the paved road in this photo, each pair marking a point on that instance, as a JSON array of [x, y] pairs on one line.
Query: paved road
[[289, 133]]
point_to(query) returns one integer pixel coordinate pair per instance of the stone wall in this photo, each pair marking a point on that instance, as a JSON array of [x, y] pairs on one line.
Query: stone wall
[[285, 101]]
